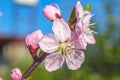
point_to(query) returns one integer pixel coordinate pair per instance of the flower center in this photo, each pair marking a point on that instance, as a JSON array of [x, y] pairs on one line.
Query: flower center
[[68, 50], [65, 48]]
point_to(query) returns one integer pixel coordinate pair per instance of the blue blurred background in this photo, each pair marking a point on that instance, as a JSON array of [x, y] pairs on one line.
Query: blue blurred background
[[21, 17]]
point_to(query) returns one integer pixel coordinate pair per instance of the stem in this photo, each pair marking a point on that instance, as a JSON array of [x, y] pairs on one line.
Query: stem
[[34, 56], [34, 65]]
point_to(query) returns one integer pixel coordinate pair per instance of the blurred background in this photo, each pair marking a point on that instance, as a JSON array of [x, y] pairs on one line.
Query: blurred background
[[21, 17]]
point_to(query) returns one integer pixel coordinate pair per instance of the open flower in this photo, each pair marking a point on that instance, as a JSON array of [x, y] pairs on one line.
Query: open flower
[[52, 12], [16, 74], [82, 28], [32, 41], [61, 48], [83, 16]]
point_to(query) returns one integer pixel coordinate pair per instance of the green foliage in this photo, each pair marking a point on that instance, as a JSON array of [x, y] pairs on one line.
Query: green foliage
[[29, 78], [73, 16], [88, 7]]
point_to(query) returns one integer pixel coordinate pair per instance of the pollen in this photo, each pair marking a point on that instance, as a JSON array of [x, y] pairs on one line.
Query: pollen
[[68, 50]]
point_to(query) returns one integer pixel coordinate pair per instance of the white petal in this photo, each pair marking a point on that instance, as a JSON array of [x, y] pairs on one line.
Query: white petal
[[87, 18], [75, 59], [61, 29], [49, 43], [54, 61]]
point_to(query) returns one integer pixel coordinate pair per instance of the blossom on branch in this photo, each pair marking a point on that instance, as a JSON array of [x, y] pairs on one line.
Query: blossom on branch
[[82, 31], [60, 47], [66, 45], [16, 74]]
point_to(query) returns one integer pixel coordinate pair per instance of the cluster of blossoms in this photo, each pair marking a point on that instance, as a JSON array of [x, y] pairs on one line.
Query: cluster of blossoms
[[65, 45]]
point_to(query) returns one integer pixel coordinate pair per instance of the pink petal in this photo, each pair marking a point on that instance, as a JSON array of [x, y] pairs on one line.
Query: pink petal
[[49, 43], [16, 74], [74, 37], [34, 38], [88, 36], [79, 27], [50, 11], [54, 61], [61, 29], [37, 35], [78, 41], [32, 41], [56, 6], [75, 59], [79, 10]]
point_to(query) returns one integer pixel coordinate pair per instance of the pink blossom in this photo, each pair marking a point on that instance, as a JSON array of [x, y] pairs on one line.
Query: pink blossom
[[16, 74], [61, 48], [52, 12], [78, 40], [32, 41], [82, 28]]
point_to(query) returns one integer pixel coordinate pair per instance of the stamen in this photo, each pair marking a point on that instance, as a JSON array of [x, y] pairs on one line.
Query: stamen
[[92, 24], [68, 50]]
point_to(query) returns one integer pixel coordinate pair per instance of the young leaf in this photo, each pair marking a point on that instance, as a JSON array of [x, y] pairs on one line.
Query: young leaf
[[72, 16], [88, 7]]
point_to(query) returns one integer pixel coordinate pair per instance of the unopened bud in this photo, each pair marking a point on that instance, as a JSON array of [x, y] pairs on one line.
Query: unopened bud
[[32, 41], [16, 74], [52, 12]]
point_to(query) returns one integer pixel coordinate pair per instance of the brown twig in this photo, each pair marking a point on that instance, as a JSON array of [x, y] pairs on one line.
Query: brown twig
[[34, 65]]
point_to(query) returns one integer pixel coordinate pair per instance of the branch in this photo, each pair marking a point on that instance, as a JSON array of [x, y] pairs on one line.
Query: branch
[[34, 65]]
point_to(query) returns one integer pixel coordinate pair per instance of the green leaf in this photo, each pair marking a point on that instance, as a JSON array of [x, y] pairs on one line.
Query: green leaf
[[29, 78], [73, 16], [88, 7]]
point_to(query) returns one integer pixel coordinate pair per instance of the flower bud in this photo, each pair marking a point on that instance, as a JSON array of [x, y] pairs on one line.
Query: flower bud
[[52, 12], [16, 74], [32, 41]]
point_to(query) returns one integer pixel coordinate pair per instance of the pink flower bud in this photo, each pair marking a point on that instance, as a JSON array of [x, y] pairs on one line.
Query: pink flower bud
[[32, 41], [16, 74], [52, 12]]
